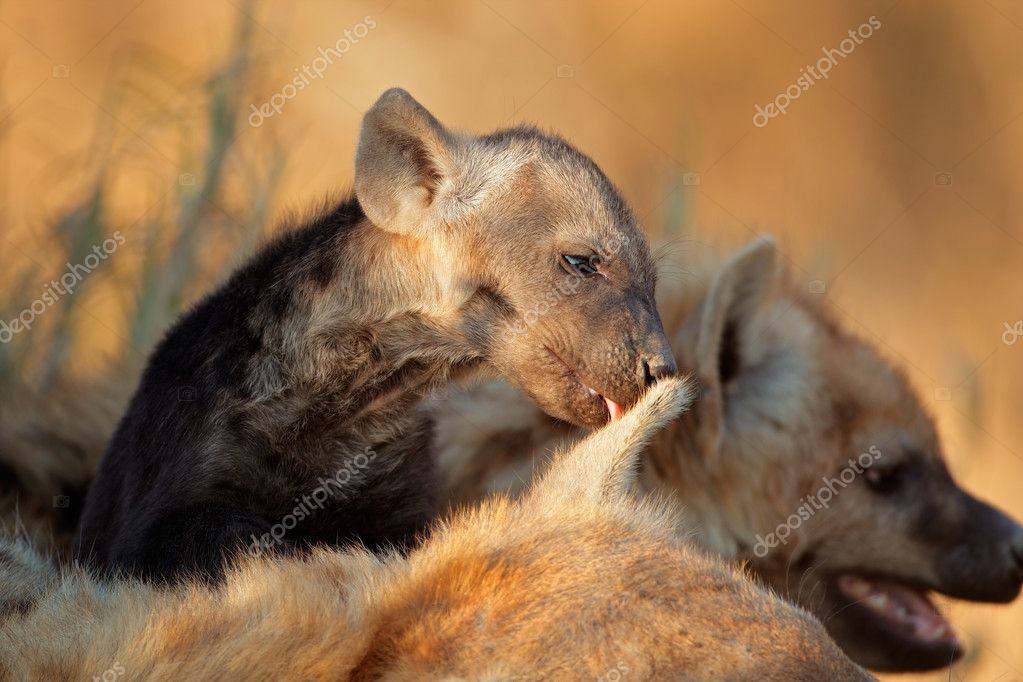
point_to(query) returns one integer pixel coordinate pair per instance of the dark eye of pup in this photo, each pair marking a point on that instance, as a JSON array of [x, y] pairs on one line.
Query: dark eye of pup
[[885, 480], [581, 265]]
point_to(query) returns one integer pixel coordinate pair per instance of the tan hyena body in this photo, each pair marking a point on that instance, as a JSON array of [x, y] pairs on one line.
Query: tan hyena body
[[573, 580]]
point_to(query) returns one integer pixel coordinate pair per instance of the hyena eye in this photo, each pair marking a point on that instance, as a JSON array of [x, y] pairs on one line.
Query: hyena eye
[[581, 265], [885, 480]]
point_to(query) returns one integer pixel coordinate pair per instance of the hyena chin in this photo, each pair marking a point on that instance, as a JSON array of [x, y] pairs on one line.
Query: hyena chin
[[281, 410], [807, 455], [578, 579]]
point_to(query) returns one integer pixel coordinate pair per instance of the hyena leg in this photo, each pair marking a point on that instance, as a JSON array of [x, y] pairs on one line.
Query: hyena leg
[[196, 540]]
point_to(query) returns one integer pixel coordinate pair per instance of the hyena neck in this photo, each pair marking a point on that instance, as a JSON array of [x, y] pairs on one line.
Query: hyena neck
[[702, 484], [354, 321]]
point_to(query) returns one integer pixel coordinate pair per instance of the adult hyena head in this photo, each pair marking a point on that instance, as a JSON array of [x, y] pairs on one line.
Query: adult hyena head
[[538, 258], [819, 464]]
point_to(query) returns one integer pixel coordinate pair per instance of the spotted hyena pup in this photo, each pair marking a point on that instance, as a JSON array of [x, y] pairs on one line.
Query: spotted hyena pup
[[303, 371]]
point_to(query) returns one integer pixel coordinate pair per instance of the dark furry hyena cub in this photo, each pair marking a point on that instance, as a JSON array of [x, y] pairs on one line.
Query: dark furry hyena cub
[[283, 406]]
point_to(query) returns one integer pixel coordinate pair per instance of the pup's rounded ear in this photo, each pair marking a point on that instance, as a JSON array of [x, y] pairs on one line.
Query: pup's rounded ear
[[403, 158]]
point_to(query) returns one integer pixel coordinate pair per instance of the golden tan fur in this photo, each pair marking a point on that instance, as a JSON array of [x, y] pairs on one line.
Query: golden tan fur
[[573, 580]]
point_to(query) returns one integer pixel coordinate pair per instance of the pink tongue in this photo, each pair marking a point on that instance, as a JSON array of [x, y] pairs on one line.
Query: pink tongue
[[900, 604], [613, 408]]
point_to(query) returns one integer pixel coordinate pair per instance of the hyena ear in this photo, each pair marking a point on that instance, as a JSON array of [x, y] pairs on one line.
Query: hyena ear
[[602, 467], [738, 291], [404, 158]]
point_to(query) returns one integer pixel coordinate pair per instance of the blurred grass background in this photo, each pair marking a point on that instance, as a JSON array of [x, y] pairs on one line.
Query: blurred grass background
[[133, 116]]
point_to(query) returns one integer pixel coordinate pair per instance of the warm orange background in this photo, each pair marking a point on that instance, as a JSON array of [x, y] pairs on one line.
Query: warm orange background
[[652, 89]]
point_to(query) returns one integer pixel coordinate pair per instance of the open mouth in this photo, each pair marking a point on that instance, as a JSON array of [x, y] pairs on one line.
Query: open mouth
[[901, 610], [612, 410]]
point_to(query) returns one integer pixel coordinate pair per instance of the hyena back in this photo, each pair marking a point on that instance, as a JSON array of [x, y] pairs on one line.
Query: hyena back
[[573, 580]]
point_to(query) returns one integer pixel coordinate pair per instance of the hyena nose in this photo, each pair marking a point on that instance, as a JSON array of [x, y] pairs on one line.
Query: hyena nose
[[1016, 550], [657, 367]]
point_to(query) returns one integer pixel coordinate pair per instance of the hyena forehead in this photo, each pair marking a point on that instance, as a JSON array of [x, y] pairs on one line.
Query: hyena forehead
[[873, 400], [570, 194]]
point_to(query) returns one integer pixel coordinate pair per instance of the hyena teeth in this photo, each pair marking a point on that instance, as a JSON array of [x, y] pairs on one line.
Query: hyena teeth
[[857, 588], [878, 601]]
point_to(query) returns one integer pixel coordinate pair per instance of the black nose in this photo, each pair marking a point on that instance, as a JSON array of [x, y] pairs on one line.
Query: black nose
[[1016, 550], [657, 367]]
